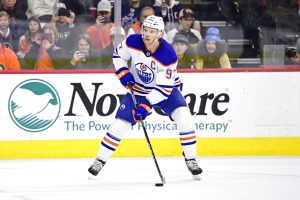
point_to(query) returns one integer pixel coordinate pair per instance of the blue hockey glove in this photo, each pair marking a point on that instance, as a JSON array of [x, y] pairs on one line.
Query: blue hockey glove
[[125, 77], [141, 112]]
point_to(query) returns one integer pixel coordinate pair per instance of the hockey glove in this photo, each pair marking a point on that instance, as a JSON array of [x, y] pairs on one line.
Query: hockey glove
[[125, 77], [141, 112]]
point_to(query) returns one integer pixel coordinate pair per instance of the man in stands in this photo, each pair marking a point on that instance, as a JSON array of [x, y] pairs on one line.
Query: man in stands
[[99, 33]]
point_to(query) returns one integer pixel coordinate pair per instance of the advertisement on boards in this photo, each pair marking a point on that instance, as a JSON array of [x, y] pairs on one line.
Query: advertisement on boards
[[82, 106]]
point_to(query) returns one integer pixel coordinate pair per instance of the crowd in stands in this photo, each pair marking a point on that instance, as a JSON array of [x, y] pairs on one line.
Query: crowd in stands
[[79, 34]]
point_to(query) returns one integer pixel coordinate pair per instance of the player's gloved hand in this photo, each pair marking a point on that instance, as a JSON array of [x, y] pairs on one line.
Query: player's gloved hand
[[141, 112], [125, 77]]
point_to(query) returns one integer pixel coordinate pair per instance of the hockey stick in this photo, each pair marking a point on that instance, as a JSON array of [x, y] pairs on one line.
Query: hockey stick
[[148, 140]]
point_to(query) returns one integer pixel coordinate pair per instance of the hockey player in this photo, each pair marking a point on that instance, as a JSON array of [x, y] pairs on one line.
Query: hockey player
[[153, 78]]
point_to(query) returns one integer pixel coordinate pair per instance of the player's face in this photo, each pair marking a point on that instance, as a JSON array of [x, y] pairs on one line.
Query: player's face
[[211, 46], [149, 35]]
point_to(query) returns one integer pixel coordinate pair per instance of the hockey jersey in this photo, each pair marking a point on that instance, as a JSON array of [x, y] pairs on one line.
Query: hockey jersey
[[155, 73]]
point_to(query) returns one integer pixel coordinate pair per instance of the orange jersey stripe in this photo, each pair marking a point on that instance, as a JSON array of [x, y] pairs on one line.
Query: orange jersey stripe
[[166, 90], [110, 142], [188, 138], [141, 89]]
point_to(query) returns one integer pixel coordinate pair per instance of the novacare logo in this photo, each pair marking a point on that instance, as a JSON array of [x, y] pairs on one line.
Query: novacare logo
[[34, 105]]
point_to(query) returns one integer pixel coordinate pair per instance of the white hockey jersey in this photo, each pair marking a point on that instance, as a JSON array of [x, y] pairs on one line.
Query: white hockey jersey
[[155, 74]]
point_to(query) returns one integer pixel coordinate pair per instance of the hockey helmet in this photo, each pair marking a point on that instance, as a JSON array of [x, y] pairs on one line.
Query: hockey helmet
[[155, 22]]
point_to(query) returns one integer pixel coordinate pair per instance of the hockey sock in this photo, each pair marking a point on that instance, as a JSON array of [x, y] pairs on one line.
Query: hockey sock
[[112, 138], [188, 143], [108, 145]]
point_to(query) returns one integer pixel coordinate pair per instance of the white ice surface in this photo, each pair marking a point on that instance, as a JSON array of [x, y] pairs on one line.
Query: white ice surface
[[224, 178]]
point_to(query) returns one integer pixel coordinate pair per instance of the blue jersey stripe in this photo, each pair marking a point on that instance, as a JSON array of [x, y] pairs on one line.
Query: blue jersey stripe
[[139, 91], [113, 137], [157, 89], [187, 133], [141, 85], [108, 147], [166, 86], [189, 143]]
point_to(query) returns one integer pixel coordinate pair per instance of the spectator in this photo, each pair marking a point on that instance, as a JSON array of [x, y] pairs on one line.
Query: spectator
[[43, 9], [76, 6], [99, 33], [82, 22], [8, 59], [106, 59], [46, 55], [169, 11], [7, 36], [31, 35], [64, 22], [213, 51], [83, 56], [196, 25], [136, 27], [181, 46], [16, 9], [130, 13], [186, 17]]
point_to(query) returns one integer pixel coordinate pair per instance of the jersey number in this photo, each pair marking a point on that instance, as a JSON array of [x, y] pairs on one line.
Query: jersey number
[[169, 73]]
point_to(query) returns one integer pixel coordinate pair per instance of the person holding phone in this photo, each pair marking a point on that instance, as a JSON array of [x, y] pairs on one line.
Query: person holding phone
[[31, 36], [64, 23], [99, 33], [83, 56], [46, 55]]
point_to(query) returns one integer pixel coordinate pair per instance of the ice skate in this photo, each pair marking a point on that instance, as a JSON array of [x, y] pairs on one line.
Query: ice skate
[[96, 167], [193, 167]]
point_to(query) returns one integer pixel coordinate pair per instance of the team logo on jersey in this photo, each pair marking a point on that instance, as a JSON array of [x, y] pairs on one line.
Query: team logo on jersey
[[144, 72], [34, 105]]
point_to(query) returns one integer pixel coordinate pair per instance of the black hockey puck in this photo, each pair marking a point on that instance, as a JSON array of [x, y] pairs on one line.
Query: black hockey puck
[[159, 184]]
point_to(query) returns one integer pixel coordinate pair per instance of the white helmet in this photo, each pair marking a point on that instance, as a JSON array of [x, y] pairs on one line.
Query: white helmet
[[153, 21]]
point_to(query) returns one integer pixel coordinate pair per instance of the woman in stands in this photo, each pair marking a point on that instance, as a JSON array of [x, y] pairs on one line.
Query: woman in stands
[[45, 54], [83, 56], [213, 51], [32, 34]]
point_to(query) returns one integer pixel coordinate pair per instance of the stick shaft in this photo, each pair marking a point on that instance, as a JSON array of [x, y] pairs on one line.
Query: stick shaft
[[147, 138]]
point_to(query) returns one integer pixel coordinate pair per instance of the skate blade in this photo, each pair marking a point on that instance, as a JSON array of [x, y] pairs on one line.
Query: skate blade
[[196, 177]]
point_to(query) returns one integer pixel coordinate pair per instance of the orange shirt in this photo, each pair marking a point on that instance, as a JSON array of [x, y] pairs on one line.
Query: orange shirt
[[44, 61], [136, 27], [100, 35], [8, 59], [24, 45]]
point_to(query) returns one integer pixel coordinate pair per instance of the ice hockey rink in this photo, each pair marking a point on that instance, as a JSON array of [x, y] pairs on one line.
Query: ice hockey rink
[[224, 178]]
